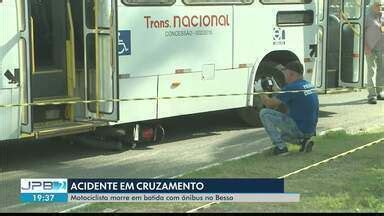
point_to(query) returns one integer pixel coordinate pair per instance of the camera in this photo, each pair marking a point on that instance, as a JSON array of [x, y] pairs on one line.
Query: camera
[[267, 84]]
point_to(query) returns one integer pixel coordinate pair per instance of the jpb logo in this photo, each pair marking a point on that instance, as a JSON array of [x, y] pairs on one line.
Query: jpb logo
[[43, 185]]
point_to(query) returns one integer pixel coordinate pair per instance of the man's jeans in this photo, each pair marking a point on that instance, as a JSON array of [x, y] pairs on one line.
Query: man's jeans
[[375, 66], [281, 128]]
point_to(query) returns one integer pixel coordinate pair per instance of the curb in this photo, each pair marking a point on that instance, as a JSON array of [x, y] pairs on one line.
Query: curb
[[336, 91], [332, 130], [373, 129]]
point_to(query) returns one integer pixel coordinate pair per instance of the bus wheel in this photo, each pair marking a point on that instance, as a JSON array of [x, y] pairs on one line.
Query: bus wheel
[[250, 115]]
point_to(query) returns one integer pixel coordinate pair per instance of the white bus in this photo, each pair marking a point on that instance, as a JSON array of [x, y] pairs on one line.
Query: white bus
[[83, 50]]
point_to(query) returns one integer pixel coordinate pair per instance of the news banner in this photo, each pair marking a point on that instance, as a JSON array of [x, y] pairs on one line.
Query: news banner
[[154, 190]]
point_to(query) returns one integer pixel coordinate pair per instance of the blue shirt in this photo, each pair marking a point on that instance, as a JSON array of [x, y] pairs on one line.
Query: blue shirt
[[303, 107]]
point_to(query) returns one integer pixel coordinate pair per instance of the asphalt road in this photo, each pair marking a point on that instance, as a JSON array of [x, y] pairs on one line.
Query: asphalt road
[[192, 143]]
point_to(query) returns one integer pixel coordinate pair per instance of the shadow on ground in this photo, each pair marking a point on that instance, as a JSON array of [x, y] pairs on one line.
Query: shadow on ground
[[325, 114], [356, 102], [19, 155]]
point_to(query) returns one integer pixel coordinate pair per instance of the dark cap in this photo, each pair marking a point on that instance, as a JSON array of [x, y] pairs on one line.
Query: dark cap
[[295, 66]]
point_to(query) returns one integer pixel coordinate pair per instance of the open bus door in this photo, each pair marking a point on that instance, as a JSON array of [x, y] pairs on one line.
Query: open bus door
[[100, 33], [25, 62], [351, 52], [14, 64], [47, 56], [321, 71], [343, 42]]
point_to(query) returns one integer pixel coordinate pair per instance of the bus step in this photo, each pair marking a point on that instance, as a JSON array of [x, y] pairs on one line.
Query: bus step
[[48, 130], [50, 100]]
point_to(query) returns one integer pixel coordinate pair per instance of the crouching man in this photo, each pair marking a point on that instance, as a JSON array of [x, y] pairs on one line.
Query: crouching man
[[299, 124]]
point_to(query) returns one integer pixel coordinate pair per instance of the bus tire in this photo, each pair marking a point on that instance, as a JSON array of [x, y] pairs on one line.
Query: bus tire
[[250, 115]]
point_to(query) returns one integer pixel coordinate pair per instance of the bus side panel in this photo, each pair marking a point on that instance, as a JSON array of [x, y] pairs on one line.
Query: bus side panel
[[9, 92], [133, 111], [9, 117], [8, 41], [252, 33], [257, 34], [164, 39], [193, 84]]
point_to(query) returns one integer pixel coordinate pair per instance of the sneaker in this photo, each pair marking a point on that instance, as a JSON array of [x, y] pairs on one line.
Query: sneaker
[[306, 145], [309, 146], [379, 97], [302, 145], [278, 151], [372, 101]]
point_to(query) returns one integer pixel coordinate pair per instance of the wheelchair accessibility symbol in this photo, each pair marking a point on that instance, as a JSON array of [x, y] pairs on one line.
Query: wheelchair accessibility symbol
[[124, 43]]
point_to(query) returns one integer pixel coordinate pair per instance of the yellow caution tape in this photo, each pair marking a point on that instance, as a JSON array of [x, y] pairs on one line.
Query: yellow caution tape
[[333, 158], [302, 170], [74, 102], [55, 103]]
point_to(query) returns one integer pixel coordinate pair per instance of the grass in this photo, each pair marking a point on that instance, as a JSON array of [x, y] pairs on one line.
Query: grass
[[354, 183]]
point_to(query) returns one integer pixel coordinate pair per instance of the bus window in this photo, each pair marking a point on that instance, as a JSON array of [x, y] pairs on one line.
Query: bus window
[[352, 9], [20, 15], [103, 14], [90, 14], [148, 2], [295, 18], [285, 1], [351, 47], [321, 9], [91, 69], [216, 2], [23, 79]]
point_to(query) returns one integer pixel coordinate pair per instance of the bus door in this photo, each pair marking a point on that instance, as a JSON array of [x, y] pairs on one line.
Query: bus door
[[13, 35], [321, 68], [49, 69], [43, 62], [351, 52], [25, 64], [343, 47], [100, 33]]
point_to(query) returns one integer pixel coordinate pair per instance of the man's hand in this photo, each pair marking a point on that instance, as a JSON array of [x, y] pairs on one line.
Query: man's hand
[[264, 99], [273, 103]]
